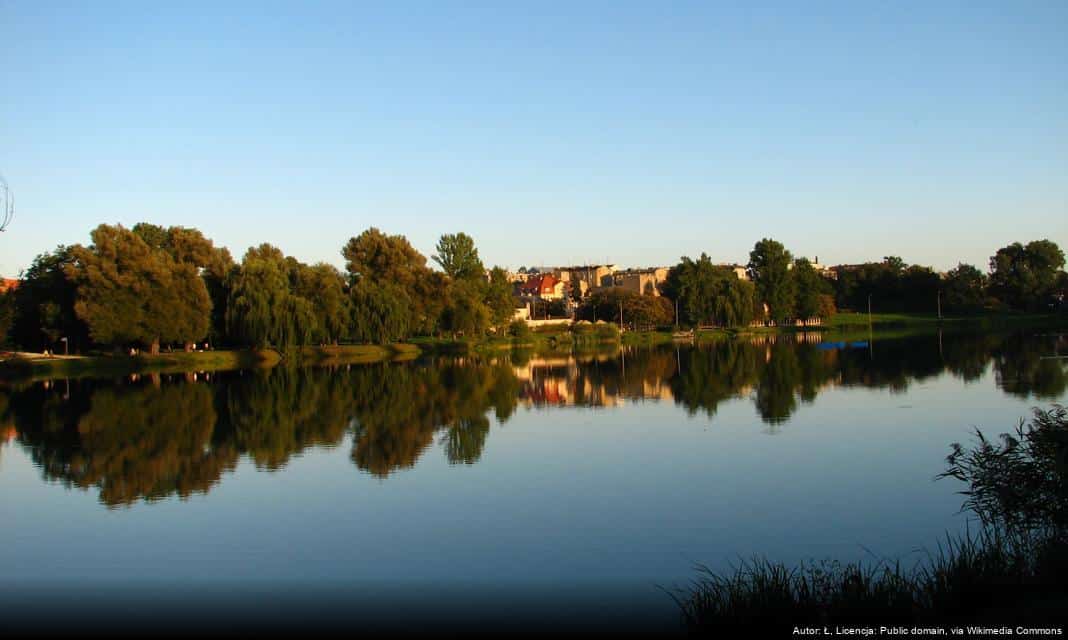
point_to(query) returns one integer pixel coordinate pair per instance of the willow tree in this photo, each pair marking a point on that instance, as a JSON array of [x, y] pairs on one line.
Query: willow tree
[[263, 310], [732, 299], [387, 268], [130, 292], [323, 286], [707, 293], [379, 313]]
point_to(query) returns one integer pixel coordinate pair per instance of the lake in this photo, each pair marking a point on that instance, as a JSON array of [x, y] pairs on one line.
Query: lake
[[481, 491]]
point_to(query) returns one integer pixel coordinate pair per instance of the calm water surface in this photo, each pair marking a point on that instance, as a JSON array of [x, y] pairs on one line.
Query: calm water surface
[[459, 490]]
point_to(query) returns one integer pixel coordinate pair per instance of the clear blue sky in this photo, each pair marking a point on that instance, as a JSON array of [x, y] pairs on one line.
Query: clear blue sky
[[551, 132]]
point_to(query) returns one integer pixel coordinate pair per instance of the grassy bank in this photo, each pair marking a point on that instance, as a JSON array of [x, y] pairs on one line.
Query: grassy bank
[[111, 365], [985, 578], [850, 320], [103, 365], [356, 353]]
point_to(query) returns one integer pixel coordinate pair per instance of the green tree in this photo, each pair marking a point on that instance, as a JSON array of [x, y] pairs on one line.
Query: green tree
[[810, 286], [732, 300], [964, 288], [323, 286], [1024, 276], [379, 313], [499, 298], [769, 269], [465, 312], [891, 285], [376, 259], [709, 294], [264, 308], [637, 310], [458, 257], [129, 292], [215, 265], [692, 285], [44, 304]]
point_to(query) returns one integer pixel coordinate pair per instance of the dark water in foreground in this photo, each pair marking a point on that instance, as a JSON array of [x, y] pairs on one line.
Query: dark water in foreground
[[518, 491]]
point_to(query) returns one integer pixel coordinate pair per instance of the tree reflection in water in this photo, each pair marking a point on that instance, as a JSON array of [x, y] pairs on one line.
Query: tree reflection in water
[[154, 437]]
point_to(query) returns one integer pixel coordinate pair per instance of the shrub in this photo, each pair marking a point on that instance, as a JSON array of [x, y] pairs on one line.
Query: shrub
[[607, 331], [519, 330]]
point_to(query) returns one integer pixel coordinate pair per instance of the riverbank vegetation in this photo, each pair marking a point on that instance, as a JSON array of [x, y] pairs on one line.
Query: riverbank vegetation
[[1011, 570], [150, 289], [33, 366]]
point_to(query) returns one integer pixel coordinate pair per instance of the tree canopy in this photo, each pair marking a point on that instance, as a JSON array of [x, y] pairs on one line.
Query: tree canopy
[[769, 269], [708, 294], [1024, 276], [265, 307], [153, 285], [129, 292], [458, 257]]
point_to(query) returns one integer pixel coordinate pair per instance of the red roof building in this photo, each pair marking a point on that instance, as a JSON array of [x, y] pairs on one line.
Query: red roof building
[[543, 286], [7, 284]]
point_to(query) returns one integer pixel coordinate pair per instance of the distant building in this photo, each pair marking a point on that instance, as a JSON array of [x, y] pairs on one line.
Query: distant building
[[543, 287], [739, 270], [8, 284], [641, 281], [824, 270], [585, 278]]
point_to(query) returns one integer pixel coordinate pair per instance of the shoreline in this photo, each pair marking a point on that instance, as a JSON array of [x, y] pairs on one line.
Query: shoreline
[[843, 326]]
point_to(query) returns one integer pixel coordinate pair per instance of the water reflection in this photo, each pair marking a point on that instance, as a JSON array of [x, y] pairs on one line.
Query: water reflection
[[148, 438]]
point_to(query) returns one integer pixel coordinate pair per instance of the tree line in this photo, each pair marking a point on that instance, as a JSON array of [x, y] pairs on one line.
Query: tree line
[[1021, 277], [781, 288], [152, 286]]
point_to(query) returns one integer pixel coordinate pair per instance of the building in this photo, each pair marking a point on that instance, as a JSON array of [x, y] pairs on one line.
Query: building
[[739, 270], [585, 278], [543, 287], [641, 281], [8, 284], [824, 270]]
